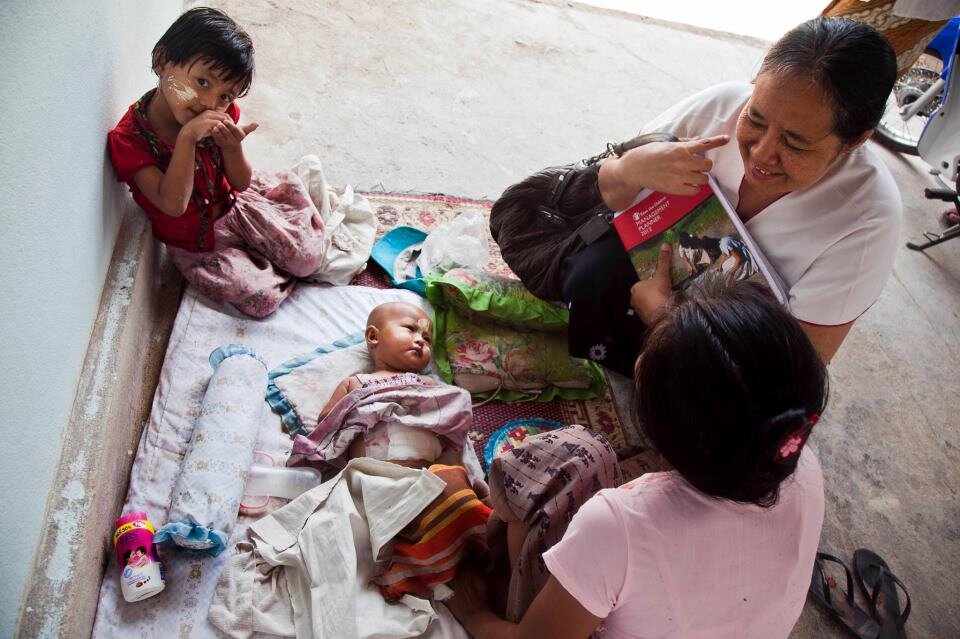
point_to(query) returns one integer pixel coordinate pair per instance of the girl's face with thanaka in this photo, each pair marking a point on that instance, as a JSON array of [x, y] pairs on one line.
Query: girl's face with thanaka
[[399, 337], [192, 88]]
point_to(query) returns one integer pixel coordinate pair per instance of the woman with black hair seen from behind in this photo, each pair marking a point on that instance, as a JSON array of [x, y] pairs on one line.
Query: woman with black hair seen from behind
[[723, 544]]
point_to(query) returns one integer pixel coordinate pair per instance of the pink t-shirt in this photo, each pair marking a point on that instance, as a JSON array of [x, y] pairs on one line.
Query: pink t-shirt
[[657, 558]]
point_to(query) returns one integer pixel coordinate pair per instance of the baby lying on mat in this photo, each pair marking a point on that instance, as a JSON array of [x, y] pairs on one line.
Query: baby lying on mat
[[398, 337], [399, 415], [394, 413]]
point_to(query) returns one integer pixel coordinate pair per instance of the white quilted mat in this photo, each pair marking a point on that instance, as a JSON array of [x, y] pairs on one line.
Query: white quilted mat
[[314, 315]]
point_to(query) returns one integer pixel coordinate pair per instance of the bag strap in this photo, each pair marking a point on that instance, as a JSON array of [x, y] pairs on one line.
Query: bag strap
[[618, 149], [558, 186], [597, 219]]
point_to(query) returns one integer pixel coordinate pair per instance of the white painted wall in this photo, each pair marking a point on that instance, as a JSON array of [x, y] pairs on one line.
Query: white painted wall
[[68, 70]]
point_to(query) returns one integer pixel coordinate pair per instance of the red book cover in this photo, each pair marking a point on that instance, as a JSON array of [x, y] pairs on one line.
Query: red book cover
[[705, 232], [654, 214]]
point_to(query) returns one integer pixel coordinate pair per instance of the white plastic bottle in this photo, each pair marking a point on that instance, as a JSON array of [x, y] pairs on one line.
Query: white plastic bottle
[[281, 481], [141, 573]]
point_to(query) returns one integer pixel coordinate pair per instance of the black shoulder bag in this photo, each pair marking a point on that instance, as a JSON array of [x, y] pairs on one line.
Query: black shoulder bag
[[552, 214]]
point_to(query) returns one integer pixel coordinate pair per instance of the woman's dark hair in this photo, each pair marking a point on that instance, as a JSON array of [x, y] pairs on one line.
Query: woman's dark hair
[[723, 380], [210, 35], [850, 61]]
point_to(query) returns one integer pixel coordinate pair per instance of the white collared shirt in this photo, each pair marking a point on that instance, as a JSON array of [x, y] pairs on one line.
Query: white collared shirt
[[833, 243]]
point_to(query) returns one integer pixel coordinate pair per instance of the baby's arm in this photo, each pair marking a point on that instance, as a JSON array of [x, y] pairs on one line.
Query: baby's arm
[[228, 137], [339, 393], [170, 191]]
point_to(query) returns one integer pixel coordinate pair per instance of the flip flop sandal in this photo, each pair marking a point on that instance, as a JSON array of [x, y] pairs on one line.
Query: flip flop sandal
[[840, 604], [879, 585]]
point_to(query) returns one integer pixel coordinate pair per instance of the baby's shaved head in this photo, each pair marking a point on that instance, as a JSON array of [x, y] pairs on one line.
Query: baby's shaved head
[[393, 310], [398, 336]]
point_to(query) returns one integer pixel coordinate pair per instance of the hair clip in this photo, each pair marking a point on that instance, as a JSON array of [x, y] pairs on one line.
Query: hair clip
[[795, 442], [792, 445]]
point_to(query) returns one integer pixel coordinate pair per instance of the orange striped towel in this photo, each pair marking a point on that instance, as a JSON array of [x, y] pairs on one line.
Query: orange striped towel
[[427, 552]]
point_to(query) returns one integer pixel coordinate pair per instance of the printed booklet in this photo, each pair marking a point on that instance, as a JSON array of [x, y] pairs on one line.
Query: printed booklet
[[705, 232]]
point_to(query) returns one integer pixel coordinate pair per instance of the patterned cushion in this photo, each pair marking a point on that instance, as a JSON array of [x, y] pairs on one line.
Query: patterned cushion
[[492, 358], [207, 493], [298, 389], [496, 299]]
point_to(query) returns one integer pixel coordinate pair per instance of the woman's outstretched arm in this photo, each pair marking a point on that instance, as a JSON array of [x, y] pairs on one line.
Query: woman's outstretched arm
[[553, 613], [826, 339]]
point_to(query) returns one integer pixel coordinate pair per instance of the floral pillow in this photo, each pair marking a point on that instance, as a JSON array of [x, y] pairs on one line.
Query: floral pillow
[[487, 298], [495, 359]]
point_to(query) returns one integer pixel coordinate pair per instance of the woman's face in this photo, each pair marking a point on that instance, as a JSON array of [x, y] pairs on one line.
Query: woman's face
[[785, 134]]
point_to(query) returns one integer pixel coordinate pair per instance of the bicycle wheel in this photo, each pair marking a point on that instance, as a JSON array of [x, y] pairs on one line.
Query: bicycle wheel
[[892, 131]]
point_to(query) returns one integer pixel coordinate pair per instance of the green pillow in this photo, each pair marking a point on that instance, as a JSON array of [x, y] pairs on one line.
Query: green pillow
[[490, 298], [493, 337]]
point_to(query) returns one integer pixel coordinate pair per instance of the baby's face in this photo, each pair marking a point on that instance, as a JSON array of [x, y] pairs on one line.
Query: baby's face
[[405, 338]]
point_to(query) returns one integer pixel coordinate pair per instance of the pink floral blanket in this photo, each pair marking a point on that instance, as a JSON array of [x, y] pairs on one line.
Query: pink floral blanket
[[442, 409]]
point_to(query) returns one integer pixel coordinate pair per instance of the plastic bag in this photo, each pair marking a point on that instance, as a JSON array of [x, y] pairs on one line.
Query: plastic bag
[[461, 242]]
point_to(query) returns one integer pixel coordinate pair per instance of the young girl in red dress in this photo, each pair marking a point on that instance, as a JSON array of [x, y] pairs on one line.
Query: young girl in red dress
[[238, 236]]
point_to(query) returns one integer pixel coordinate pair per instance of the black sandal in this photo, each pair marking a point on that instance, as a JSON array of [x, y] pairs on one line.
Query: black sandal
[[824, 589], [879, 585]]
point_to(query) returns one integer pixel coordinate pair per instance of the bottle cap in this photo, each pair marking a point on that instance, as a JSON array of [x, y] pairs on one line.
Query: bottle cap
[[127, 518]]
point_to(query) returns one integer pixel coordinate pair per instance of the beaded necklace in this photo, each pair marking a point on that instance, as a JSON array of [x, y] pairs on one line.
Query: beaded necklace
[[163, 153]]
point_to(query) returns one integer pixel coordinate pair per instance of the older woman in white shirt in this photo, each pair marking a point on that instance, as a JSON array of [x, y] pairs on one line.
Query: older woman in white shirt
[[788, 153]]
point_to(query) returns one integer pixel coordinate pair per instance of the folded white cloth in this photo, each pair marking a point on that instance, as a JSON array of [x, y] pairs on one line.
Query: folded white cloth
[[328, 545], [349, 224]]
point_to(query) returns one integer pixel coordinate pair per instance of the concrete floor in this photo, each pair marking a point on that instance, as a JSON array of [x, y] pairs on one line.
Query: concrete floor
[[465, 98]]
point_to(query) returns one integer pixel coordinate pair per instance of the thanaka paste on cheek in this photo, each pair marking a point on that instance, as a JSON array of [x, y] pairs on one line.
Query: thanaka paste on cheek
[[182, 92], [424, 325]]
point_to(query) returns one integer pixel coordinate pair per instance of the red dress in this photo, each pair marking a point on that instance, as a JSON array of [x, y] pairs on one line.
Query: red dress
[[133, 145], [268, 236]]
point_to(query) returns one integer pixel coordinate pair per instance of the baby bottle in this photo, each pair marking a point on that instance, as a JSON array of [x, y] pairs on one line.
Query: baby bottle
[[141, 574], [281, 481], [264, 482]]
